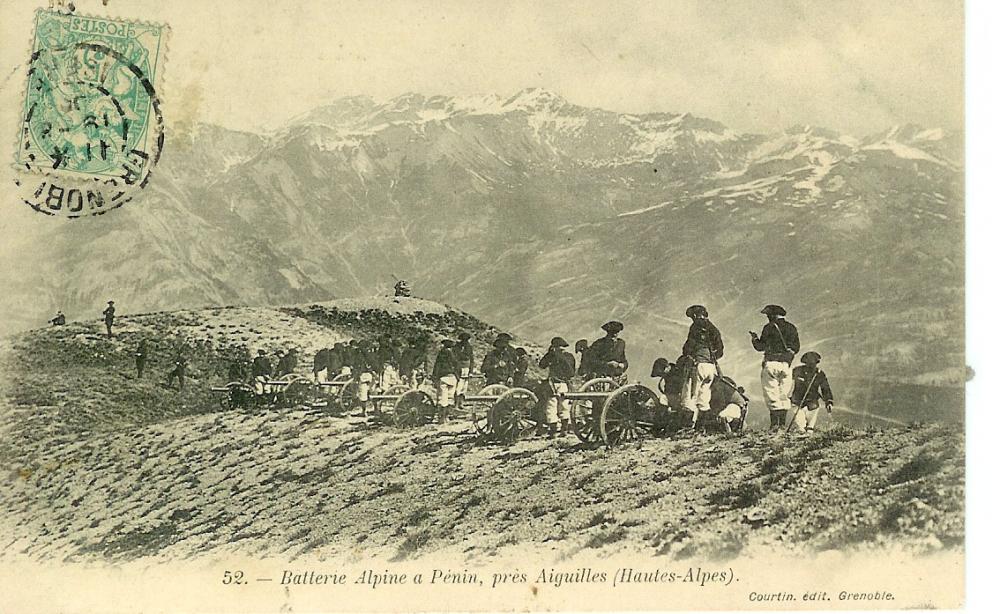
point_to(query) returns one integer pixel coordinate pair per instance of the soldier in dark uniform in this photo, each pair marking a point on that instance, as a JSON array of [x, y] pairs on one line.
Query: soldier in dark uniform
[[261, 372], [779, 341], [562, 367], [445, 374], [810, 386], [59, 320], [498, 364], [703, 349], [141, 354], [466, 358], [519, 376], [109, 316], [178, 372], [288, 362], [408, 359], [607, 354]]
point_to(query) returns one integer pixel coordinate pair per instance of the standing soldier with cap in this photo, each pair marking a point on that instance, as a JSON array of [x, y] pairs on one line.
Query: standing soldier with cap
[[465, 357], [141, 354], [109, 316], [519, 368], [179, 371], [811, 385], [498, 364], [445, 373], [607, 354], [562, 367], [779, 341], [702, 349]]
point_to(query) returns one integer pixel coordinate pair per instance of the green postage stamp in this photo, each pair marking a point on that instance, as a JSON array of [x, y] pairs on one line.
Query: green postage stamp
[[91, 128]]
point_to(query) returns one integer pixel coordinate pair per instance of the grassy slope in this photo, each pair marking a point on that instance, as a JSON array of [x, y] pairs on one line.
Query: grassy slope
[[100, 465]]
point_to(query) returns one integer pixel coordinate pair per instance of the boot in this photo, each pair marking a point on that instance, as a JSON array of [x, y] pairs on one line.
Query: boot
[[553, 430], [564, 427]]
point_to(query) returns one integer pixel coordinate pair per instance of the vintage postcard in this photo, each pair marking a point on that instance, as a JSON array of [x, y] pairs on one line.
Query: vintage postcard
[[482, 306]]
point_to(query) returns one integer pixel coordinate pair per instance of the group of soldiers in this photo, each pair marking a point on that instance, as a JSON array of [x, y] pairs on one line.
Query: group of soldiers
[[694, 373], [693, 386], [108, 314]]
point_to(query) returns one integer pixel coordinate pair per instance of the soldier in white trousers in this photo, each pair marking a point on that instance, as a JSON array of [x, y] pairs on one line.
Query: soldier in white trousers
[[702, 351], [811, 386], [779, 341]]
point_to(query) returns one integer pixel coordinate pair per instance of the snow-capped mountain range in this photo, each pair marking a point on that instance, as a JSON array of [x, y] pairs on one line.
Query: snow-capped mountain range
[[546, 217]]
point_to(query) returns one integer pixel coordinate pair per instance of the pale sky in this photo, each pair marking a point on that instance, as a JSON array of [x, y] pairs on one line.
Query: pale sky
[[760, 66]]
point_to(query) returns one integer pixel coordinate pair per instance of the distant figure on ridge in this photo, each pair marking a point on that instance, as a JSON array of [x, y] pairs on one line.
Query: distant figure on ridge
[[59, 320], [109, 316], [402, 289], [141, 355]]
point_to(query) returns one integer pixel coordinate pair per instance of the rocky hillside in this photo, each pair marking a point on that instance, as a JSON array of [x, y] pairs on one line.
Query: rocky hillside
[[99, 465], [547, 218]]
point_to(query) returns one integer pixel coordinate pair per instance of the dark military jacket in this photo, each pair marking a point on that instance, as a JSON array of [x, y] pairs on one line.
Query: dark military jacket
[[109, 314], [498, 365], [704, 341], [779, 340], [464, 355], [180, 365], [334, 361], [560, 363], [261, 367], [286, 364], [605, 350], [410, 359], [805, 395], [445, 364]]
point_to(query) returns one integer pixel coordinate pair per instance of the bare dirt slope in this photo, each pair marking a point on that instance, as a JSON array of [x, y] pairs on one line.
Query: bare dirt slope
[[97, 465]]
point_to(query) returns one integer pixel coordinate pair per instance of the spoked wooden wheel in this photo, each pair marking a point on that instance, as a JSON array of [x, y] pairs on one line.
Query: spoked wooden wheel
[[239, 395], [298, 391], [479, 411], [628, 415], [347, 398], [514, 415], [585, 413], [414, 408], [396, 391]]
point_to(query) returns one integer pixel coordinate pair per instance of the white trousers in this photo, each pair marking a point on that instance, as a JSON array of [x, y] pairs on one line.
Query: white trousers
[[260, 385], [390, 377], [365, 386], [463, 383], [319, 376], [446, 390], [697, 391], [805, 419], [776, 381], [731, 412], [557, 407]]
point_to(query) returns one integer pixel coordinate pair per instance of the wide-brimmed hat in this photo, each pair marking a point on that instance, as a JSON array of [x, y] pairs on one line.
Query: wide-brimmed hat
[[614, 326], [773, 310], [558, 342], [448, 343], [696, 310], [464, 336], [581, 345], [503, 338], [810, 358]]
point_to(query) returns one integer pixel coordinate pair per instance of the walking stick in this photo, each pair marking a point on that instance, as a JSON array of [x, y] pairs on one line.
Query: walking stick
[[803, 403]]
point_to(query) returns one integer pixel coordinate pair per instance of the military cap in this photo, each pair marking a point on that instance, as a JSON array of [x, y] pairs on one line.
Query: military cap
[[464, 336], [773, 310], [448, 343], [520, 351], [696, 310], [111, 302], [261, 352], [614, 326], [581, 345], [810, 358], [502, 337], [558, 342]]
